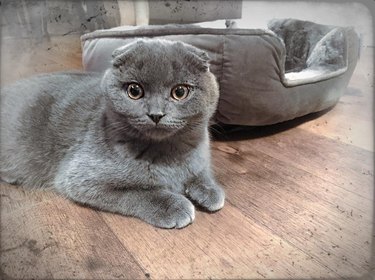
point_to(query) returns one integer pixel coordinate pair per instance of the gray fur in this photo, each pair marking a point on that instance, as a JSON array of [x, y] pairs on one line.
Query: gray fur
[[80, 134], [310, 45]]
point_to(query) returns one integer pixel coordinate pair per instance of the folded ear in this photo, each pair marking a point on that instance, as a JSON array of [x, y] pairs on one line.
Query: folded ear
[[127, 52], [197, 57]]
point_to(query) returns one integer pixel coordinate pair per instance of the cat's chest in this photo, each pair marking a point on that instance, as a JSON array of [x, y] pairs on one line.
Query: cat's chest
[[163, 169]]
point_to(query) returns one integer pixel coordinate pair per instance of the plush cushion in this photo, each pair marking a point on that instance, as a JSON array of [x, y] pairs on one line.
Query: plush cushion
[[312, 50], [265, 76]]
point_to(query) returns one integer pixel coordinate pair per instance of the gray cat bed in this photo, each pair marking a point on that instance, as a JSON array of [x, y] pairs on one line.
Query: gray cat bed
[[266, 76]]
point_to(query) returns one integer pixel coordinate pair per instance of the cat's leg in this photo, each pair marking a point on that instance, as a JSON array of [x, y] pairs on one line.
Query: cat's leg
[[158, 207], [204, 191]]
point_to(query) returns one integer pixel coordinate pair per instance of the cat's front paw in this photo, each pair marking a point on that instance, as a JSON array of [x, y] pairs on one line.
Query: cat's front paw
[[210, 197], [174, 212]]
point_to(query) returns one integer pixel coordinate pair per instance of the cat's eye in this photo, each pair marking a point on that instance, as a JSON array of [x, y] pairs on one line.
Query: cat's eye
[[134, 91], [180, 92]]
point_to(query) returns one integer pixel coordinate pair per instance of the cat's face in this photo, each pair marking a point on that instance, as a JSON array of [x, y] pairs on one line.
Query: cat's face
[[161, 87]]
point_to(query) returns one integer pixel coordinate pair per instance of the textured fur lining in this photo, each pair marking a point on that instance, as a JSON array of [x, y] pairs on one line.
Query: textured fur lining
[[313, 52]]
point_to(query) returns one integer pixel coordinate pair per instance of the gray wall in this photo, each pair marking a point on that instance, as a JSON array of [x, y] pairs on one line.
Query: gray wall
[[177, 11], [38, 18]]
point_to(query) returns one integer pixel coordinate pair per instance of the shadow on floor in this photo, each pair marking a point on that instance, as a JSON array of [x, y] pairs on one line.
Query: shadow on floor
[[227, 132]]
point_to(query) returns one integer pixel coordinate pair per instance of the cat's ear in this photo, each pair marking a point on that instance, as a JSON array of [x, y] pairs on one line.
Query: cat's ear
[[197, 57], [120, 55]]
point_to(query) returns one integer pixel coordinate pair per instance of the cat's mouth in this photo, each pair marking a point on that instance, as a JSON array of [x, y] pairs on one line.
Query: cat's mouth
[[160, 130]]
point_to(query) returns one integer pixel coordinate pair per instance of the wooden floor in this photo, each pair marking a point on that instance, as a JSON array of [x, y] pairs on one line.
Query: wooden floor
[[300, 200]]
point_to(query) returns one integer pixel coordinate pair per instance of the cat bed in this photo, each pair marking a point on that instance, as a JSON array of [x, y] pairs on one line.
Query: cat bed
[[266, 76]]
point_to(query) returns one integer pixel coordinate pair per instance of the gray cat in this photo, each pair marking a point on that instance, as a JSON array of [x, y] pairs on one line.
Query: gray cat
[[133, 141]]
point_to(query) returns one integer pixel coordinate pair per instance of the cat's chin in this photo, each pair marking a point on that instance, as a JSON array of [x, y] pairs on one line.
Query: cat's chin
[[158, 133]]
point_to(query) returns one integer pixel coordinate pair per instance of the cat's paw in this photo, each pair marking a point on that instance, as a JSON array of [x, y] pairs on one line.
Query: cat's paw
[[211, 197], [174, 212]]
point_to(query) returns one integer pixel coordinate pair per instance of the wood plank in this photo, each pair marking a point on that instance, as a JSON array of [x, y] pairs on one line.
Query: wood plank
[[223, 245], [259, 166], [330, 223], [350, 121], [58, 239], [360, 135], [15, 198], [341, 164]]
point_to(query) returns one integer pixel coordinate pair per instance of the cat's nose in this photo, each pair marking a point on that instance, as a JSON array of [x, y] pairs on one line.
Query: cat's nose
[[155, 117]]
